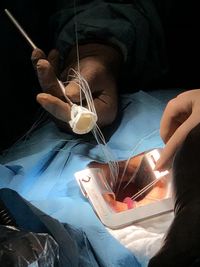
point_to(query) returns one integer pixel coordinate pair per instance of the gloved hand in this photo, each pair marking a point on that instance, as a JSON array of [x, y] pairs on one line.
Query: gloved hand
[[181, 115], [99, 65]]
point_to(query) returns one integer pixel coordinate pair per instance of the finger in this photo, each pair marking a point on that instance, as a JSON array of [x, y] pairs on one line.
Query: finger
[[175, 141], [55, 106], [36, 55], [54, 60], [92, 75], [73, 92], [75, 86], [48, 79], [106, 106], [175, 113]]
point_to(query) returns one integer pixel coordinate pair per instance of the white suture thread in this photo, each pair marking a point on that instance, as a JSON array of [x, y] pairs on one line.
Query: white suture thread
[[79, 80]]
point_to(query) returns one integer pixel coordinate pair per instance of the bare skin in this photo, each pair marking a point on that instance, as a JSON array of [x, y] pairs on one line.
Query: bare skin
[[181, 245], [181, 115], [99, 65]]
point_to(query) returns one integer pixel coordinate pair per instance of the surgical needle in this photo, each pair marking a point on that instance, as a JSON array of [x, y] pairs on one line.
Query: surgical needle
[[21, 30]]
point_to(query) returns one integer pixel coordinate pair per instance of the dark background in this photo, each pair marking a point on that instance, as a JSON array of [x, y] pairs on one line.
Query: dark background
[[182, 29], [19, 85]]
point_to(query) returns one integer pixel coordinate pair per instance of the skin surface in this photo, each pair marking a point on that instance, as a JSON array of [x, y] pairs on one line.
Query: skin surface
[[99, 65], [181, 246], [180, 116]]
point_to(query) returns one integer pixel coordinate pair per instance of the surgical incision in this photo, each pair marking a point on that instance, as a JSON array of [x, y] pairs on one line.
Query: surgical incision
[[132, 188]]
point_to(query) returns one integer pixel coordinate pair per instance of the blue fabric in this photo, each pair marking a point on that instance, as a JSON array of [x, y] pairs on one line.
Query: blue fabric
[[42, 168]]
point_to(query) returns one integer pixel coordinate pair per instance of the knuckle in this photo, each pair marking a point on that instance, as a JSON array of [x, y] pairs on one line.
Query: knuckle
[[172, 103]]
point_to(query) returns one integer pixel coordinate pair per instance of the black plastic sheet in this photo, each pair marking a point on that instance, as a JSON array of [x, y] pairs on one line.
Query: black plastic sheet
[[19, 248]]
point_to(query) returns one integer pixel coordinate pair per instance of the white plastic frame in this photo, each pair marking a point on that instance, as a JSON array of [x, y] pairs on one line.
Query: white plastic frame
[[93, 184]]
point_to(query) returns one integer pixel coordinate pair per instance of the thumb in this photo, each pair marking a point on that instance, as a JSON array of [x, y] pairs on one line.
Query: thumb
[[74, 92]]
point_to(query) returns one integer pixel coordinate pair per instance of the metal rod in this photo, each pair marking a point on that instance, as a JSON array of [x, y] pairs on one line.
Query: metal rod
[[62, 87], [15, 22], [21, 30]]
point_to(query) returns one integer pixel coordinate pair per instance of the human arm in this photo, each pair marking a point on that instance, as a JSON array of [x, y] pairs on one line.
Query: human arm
[[133, 27], [180, 116], [126, 28], [99, 65]]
